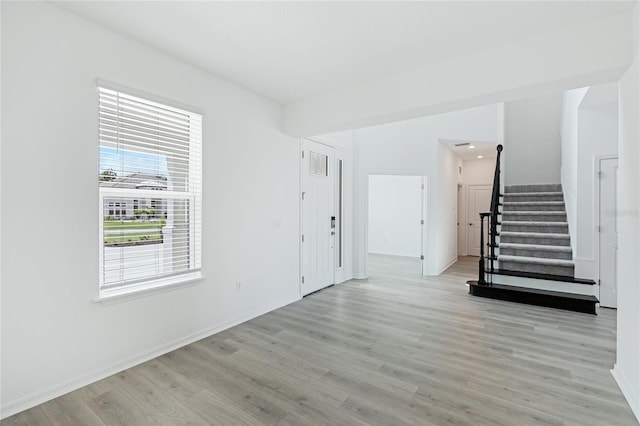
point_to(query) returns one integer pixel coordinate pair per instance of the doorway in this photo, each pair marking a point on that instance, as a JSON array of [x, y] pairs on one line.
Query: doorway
[[396, 219], [607, 231], [318, 216], [478, 201]]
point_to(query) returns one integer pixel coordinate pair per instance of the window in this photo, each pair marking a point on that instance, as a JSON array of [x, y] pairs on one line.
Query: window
[[150, 159], [318, 164]]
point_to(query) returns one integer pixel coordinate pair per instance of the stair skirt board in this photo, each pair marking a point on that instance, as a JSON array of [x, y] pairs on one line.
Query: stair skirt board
[[551, 299], [544, 284]]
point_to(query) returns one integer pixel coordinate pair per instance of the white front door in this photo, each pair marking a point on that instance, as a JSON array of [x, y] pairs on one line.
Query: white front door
[[318, 216], [608, 246], [478, 201]]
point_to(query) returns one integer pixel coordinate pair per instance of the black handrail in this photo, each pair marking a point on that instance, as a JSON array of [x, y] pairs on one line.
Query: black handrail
[[492, 226]]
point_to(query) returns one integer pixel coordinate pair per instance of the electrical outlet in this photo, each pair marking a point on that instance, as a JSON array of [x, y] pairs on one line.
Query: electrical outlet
[[238, 285]]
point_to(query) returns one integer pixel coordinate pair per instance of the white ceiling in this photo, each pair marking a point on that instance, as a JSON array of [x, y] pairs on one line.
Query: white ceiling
[[289, 51], [484, 148]]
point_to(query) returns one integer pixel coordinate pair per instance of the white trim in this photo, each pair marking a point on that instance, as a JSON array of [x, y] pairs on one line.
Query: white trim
[[425, 228], [105, 84], [109, 296], [396, 172], [596, 212], [36, 398], [339, 241], [146, 193], [301, 216], [627, 391], [462, 215]]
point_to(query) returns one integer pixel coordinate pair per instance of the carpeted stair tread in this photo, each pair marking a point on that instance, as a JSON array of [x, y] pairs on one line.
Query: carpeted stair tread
[[540, 187], [533, 206], [534, 235], [534, 216], [534, 203], [536, 247], [535, 260], [506, 223], [531, 194], [544, 251], [536, 212]]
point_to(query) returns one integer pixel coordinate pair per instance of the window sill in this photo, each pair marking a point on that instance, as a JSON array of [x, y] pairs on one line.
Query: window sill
[[136, 291]]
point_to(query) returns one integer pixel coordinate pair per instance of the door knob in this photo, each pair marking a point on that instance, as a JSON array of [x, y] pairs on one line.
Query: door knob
[[471, 224]]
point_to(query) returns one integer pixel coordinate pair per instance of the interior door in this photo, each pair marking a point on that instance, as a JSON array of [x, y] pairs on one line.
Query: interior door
[[478, 201], [462, 225], [608, 245], [318, 216]]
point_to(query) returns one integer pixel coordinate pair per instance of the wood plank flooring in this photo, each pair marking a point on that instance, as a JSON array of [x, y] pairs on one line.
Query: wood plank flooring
[[395, 349]]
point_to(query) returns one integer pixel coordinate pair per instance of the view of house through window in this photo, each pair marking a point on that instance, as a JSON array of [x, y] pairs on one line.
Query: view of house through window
[[150, 191]]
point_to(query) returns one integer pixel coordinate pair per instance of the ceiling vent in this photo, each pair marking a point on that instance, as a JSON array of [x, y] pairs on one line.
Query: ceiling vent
[[463, 144]]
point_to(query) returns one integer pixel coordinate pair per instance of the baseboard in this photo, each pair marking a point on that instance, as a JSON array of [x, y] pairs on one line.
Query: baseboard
[[37, 398], [630, 396], [360, 277]]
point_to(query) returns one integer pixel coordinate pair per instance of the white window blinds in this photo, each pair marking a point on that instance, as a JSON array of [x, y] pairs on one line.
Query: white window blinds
[[150, 185]]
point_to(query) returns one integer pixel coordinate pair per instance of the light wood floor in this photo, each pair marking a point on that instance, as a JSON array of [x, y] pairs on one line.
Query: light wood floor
[[395, 349]]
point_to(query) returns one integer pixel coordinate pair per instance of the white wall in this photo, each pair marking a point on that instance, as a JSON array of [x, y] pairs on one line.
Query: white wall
[[412, 148], [598, 136], [395, 211], [589, 130], [478, 171], [532, 151], [444, 251], [569, 156], [627, 368], [54, 336], [517, 69]]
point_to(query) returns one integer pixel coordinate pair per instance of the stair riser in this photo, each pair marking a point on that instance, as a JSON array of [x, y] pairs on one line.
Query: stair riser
[[536, 253], [567, 271], [513, 197], [559, 302], [533, 207], [538, 241], [535, 218], [533, 188], [548, 229]]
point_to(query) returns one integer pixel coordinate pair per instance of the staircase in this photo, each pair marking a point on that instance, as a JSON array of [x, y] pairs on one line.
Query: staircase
[[535, 234], [529, 256]]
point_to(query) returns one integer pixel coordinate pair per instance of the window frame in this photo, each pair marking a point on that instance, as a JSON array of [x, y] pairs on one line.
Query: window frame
[[192, 194]]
